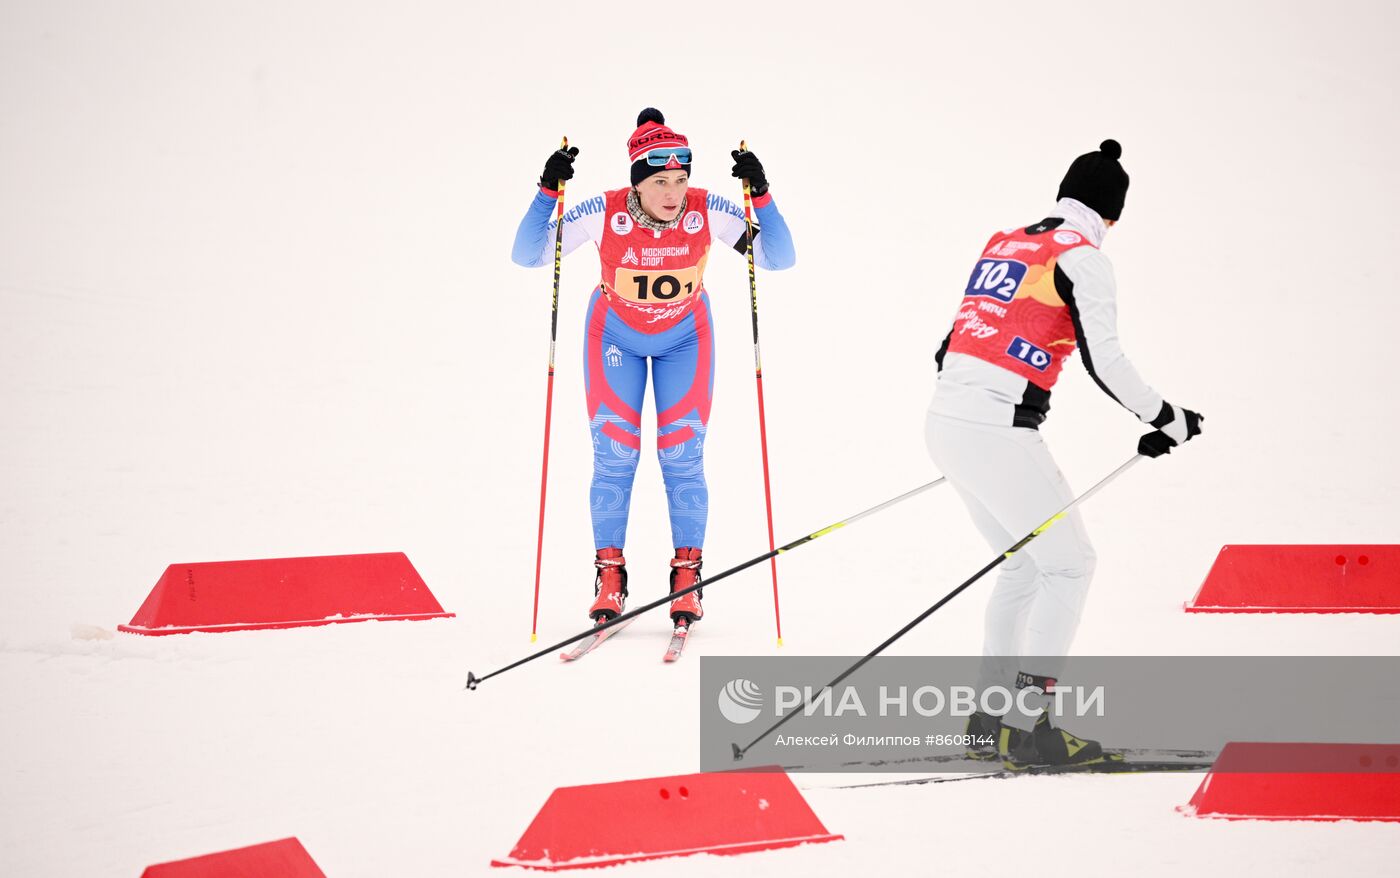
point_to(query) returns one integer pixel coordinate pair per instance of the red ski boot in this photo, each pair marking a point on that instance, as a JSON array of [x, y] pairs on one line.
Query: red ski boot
[[685, 572], [610, 588]]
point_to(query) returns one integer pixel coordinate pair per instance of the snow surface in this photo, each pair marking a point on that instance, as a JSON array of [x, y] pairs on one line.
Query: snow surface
[[255, 301]]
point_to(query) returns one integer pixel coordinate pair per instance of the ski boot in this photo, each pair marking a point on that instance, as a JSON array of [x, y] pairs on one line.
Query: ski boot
[[685, 572], [610, 588], [984, 733], [1044, 745]]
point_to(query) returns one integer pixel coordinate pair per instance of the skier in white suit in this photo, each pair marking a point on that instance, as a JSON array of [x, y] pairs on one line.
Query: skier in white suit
[[1036, 294]]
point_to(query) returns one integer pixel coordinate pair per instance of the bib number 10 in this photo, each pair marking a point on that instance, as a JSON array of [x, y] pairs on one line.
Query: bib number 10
[[1035, 357], [997, 279]]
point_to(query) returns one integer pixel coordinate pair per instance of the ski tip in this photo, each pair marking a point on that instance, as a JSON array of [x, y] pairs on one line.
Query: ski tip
[[471, 681], [738, 754]]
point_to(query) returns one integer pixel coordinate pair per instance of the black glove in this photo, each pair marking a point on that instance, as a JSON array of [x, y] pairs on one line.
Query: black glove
[[1174, 425], [748, 167], [558, 168]]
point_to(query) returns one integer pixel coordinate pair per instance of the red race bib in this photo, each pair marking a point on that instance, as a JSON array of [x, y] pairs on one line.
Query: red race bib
[[652, 279], [1011, 314]]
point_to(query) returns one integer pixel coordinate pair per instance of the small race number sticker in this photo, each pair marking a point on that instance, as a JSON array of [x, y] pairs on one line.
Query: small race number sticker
[[1035, 357]]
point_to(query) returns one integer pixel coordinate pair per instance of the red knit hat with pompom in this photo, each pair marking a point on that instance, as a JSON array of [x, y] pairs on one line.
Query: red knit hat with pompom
[[652, 134]]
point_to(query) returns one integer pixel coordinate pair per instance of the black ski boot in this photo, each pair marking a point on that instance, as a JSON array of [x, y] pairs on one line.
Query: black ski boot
[[1045, 745], [983, 732]]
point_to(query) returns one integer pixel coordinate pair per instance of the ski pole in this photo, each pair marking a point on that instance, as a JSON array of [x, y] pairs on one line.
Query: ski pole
[[758, 376], [473, 679], [549, 393], [1044, 526]]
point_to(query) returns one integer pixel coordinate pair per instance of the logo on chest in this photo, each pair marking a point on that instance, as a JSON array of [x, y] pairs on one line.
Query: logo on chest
[[622, 223], [693, 222]]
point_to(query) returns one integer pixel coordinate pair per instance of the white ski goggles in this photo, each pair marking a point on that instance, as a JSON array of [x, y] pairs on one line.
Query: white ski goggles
[[663, 156]]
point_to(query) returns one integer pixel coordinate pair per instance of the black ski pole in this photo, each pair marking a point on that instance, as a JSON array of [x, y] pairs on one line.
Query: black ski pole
[[1046, 525], [473, 679]]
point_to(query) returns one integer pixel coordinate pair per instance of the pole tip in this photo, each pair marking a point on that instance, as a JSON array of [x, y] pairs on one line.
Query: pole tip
[[534, 637], [738, 754], [565, 143], [472, 681], [780, 643], [743, 146]]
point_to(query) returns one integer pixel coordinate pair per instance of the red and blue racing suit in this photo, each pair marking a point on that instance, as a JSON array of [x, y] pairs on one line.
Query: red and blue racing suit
[[651, 304]]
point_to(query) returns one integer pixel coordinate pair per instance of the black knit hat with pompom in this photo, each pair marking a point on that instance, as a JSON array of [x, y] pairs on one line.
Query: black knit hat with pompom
[[1097, 180]]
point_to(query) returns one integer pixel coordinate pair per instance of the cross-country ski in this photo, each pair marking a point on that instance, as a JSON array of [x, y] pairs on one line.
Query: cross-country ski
[[678, 640], [592, 642], [1109, 764]]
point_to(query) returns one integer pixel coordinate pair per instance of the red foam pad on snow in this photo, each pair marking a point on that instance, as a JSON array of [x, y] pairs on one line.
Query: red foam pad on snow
[[1301, 579], [725, 813], [284, 593], [1254, 781], [276, 859]]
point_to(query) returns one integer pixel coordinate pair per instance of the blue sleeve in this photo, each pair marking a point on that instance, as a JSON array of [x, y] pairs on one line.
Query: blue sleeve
[[778, 251], [531, 236]]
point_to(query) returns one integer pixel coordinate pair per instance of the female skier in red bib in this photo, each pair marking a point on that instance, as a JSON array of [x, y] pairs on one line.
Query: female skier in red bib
[[654, 239]]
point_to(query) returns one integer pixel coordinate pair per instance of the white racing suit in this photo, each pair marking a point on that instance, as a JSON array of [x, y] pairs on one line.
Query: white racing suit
[[1012, 335]]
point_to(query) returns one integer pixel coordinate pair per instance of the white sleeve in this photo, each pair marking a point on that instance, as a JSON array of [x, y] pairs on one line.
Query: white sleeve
[[1091, 295], [534, 237], [582, 223], [728, 225]]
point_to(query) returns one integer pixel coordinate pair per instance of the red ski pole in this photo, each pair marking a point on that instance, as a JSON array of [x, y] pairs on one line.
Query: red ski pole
[[549, 395], [762, 423]]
